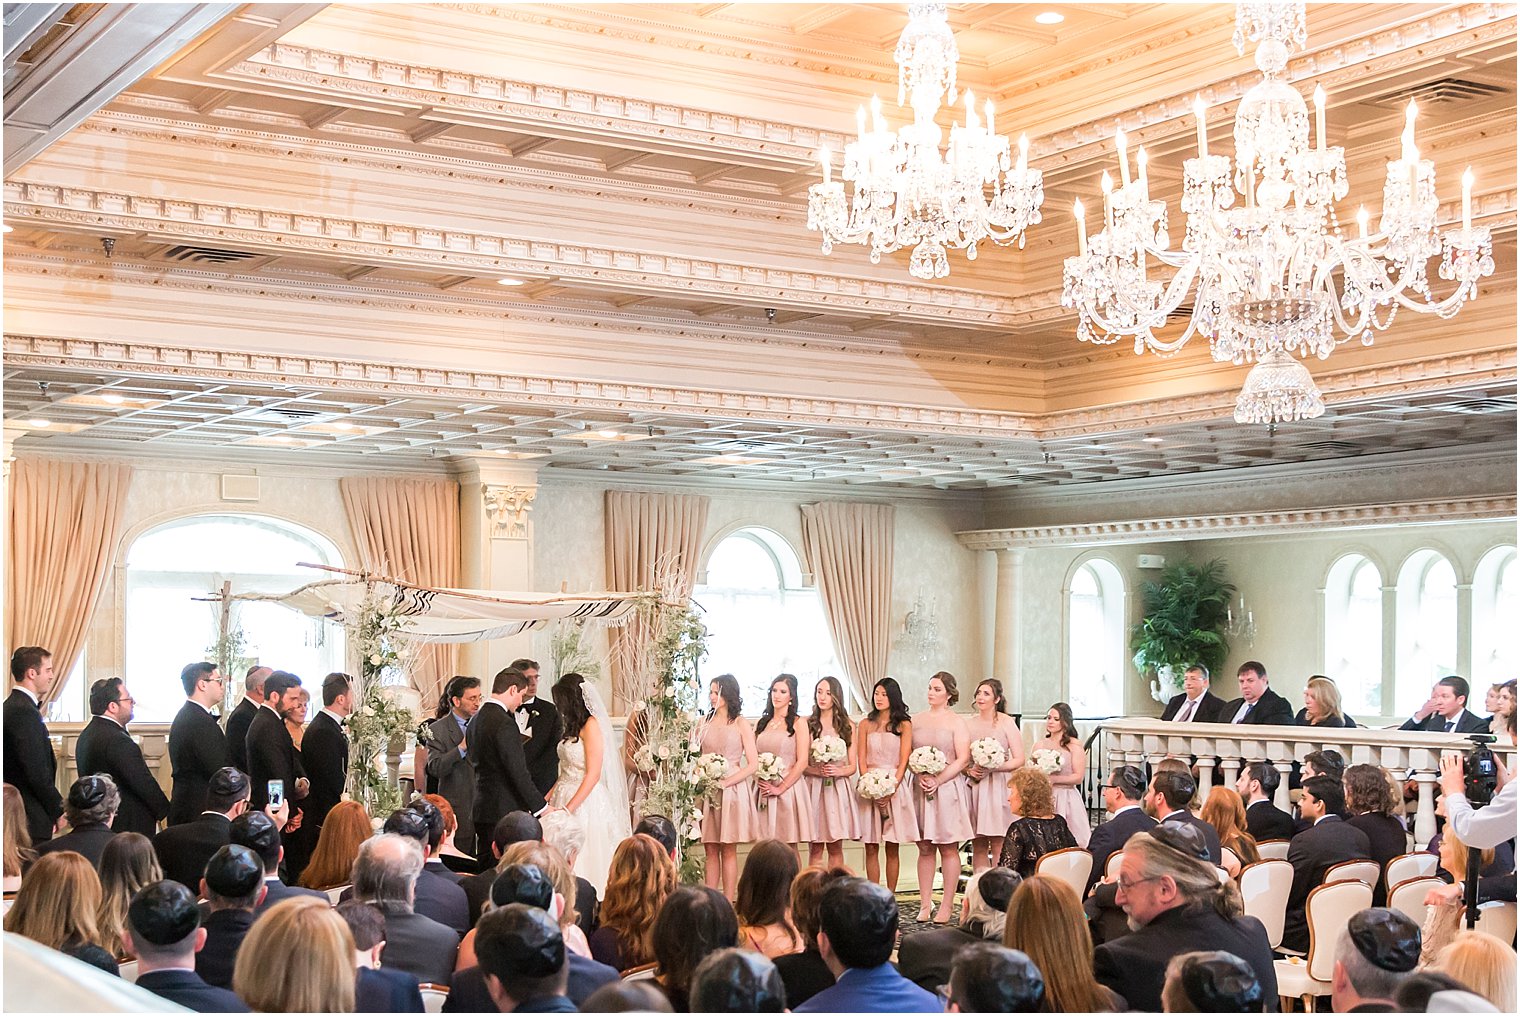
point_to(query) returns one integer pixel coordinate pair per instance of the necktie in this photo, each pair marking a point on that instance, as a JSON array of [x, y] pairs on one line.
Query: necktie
[[1245, 712], [1187, 714], [1450, 724]]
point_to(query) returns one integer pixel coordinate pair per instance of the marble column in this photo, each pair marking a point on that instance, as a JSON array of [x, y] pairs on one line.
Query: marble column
[[1005, 630], [1465, 634], [496, 543]]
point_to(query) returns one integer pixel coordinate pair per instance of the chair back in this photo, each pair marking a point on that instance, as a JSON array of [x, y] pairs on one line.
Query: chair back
[[1069, 864], [1111, 867], [1273, 850], [1223, 873], [1408, 896], [1498, 920], [128, 970], [1265, 887], [1360, 871], [1228, 858], [1408, 866], [433, 996], [1330, 909], [336, 892], [643, 973]]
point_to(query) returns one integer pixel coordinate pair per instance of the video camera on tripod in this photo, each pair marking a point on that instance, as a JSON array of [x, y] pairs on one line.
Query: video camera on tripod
[[1480, 776]]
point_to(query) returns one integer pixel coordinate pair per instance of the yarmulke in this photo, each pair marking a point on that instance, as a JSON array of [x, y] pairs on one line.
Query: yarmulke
[[163, 913], [531, 943], [90, 791], [228, 782], [997, 886], [234, 871], [256, 831], [1182, 836], [522, 883], [1221, 982], [1389, 939]]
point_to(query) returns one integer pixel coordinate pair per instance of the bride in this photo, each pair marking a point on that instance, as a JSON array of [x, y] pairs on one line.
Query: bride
[[590, 777]]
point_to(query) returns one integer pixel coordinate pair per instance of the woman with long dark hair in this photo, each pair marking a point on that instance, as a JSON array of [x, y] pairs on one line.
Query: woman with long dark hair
[[944, 809], [782, 804], [831, 798], [885, 736], [765, 900], [990, 816], [1061, 738], [590, 785], [728, 814]]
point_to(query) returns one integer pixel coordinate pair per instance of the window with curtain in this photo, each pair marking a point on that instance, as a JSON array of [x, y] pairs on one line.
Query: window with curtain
[[1496, 605], [1354, 633], [172, 565], [761, 621], [1095, 640], [72, 703], [1426, 626]]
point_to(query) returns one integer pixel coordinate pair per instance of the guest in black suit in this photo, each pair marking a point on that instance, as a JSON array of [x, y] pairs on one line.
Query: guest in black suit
[[242, 716], [1196, 704], [233, 886], [1122, 793], [104, 746], [522, 956], [385, 874], [184, 849], [197, 746], [1170, 793], [1322, 705], [164, 932], [513, 827], [447, 763], [378, 989], [437, 894], [1258, 703], [272, 754], [1446, 710], [925, 957], [502, 781], [1172, 893], [90, 808], [1327, 841], [261, 834], [541, 733], [1264, 820], [1371, 804], [324, 755], [30, 765]]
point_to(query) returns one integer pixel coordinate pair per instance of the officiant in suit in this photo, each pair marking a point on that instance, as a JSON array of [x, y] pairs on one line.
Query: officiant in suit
[[104, 746], [447, 755], [502, 781], [541, 728], [197, 746]]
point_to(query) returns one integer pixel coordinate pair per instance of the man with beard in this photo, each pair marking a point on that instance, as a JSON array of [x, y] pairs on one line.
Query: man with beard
[[104, 746]]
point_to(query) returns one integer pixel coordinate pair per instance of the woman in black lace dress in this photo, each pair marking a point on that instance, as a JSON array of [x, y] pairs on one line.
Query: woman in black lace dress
[[1038, 829]]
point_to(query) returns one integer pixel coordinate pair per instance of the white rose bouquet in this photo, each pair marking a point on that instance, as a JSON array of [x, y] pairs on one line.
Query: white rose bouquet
[[829, 749], [928, 761], [643, 759], [1048, 760], [770, 770], [711, 769], [988, 753], [876, 785]]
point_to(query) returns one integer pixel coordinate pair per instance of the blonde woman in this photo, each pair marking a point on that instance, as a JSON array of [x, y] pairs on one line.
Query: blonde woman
[[1483, 963], [1045, 922], [1443, 907], [56, 907], [298, 957], [557, 870], [1322, 705], [126, 865]]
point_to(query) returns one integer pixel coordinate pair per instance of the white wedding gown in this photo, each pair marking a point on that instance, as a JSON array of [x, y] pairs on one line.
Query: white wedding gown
[[596, 815]]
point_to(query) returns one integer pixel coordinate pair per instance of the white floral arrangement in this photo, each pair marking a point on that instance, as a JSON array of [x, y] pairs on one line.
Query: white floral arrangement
[[711, 769], [643, 759], [829, 749], [988, 753], [876, 784], [1048, 761], [928, 761], [770, 770]]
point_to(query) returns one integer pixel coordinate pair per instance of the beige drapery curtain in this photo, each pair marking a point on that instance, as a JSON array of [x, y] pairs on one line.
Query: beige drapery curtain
[[65, 524], [848, 548], [651, 539], [408, 529]]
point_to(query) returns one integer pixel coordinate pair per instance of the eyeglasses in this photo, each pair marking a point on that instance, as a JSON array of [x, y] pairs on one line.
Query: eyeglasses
[[128, 701], [1128, 886]]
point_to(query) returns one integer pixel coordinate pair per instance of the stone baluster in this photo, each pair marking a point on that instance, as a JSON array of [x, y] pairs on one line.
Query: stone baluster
[[1425, 810], [1284, 769], [1231, 768], [1205, 775]]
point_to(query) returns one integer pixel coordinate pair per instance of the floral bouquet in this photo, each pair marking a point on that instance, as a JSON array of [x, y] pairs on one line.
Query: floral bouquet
[[876, 785], [988, 753], [928, 761], [710, 769], [829, 749], [643, 759], [1048, 760], [770, 770]]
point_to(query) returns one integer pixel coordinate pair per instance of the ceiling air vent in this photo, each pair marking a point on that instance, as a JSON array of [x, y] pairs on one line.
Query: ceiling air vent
[[1444, 91], [188, 254], [1482, 407], [285, 414], [1332, 447]]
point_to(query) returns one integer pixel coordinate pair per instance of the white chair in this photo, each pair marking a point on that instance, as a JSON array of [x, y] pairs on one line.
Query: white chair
[[1228, 859], [1111, 869], [335, 892], [1408, 866], [1265, 887], [128, 970], [1498, 920], [1274, 850], [1329, 908], [1360, 871], [1071, 865], [433, 996], [644, 973], [1408, 896]]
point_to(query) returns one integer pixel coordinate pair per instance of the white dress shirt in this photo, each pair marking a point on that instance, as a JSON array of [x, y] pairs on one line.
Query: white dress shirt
[[1484, 827]]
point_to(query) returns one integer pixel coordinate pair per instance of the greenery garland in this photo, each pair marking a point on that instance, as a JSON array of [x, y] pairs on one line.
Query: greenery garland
[[385, 658]]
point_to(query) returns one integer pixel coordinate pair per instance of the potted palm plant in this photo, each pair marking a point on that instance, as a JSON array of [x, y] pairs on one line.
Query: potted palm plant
[[1184, 623]]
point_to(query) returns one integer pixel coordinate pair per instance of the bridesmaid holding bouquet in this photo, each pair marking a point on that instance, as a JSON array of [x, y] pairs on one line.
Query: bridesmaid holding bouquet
[[728, 815], [784, 810], [888, 817], [830, 796], [994, 735], [941, 752], [1065, 762]]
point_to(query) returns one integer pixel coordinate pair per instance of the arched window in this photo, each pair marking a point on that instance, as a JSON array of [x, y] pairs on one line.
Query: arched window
[[1095, 640], [167, 627], [1496, 604], [1354, 633], [1426, 626], [761, 621]]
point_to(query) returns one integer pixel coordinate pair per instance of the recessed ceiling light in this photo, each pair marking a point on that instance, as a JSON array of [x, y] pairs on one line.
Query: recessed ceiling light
[[112, 398], [510, 282], [1153, 440], [38, 423], [1049, 18], [343, 425], [608, 434]]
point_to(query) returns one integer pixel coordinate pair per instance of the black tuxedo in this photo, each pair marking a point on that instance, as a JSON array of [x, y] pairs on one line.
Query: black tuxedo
[[197, 749], [1210, 834], [88, 840], [1110, 837], [502, 781], [385, 990], [1270, 710], [104, 746], [1135, 965], [184, 849], [272, 755], [185, 987], [324, 753], [924, 957], [1208, 711], [541, 743], [30, 765], [1467, 723], [1329, 841], [1266, 821], [225, 931], [237, 732]]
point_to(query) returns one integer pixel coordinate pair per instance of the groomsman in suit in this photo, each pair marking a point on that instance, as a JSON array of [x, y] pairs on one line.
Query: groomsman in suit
[[324, 753], [1196, 704], [541, 726], [1258, 703], [30, 765], [1264, 820], [502, 780], [242, 716], [447, 752], [184, 849], [1446, 710], [272, 754], [104, 746], [197, 746]]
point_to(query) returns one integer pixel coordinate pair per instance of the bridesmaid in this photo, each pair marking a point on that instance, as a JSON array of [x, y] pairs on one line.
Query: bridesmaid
[[1061, 736], [885, 735], [944, 810], [730, 819], [990, 816], [787, 815], [835, 816]]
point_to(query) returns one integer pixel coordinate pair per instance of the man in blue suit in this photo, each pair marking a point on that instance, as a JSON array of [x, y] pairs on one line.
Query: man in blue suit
[[164, 932], [858, 928]]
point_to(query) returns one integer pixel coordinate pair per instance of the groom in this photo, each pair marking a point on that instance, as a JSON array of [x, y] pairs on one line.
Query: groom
[[541, 729], [496, 752]]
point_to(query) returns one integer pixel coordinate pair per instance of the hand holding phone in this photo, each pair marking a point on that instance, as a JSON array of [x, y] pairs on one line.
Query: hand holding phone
[[276, 792]]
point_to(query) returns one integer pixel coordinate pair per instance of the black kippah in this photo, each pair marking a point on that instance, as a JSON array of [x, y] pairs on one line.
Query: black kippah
[[522, 883], [531, 943], [234, 871], [89, 791], [228, 782], [256, 831], [1181, 836], [1387, 938], [163, 913], [1221, 982]]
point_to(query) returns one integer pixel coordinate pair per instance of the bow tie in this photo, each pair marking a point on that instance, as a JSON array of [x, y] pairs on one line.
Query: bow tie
[[523, 717]]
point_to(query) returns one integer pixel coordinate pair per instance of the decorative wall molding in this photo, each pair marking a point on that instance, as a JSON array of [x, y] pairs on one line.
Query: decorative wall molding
[[1201, 527], [508, 507]]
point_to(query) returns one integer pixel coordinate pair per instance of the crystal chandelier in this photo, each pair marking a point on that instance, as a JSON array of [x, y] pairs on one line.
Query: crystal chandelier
[[1273, 274], [907, 193]]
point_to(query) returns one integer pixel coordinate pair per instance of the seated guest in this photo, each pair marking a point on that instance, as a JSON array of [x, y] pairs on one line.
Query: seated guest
[[1195, 704], [662, 829], [261, 834], [1327, 841], [56, 907], [513, 827], [763, 901], [1443, 907], [1224, 811], [1172, 894], [299, 957], [449, 854], [377, 988], [693, 922], [1168, 800], [1371, 804], [1327, 762], [989, 978], [1038, 830], [858, 927], [1264, 820], [164, 933], [522, 956], [641, 876], [184, 849], [1483, 963], [1122, 791], [1257, 703], [18, 839], [385, 874], [1322, 705], [805, 973], [126, 865], [233, 886], [1045, 923], [625, 996], [737, 980], [1419, 991], [924, 957], [438, 894], [332, 860], [1446, 710], [1211, 982], [1375, 953], [565, 833], [90, 808], [568, 888]]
